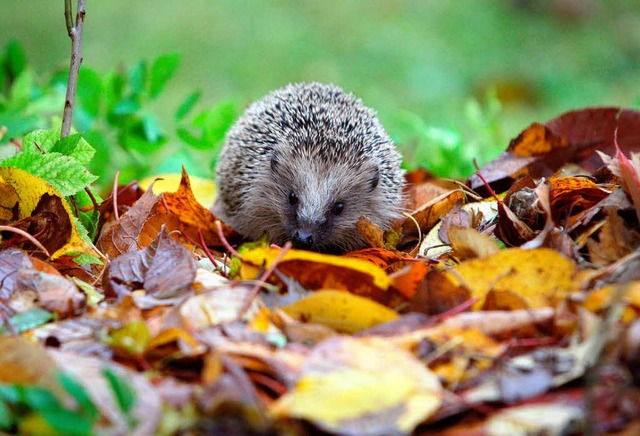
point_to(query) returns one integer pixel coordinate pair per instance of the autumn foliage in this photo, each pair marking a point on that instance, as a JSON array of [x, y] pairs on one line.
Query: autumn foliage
[[504, 305]]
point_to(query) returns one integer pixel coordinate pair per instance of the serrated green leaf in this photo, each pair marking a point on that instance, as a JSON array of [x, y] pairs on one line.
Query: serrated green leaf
[[161, 71], [75, 146], [64, 173], [79, 393], [187, 105], [40, 140], [124, 392]]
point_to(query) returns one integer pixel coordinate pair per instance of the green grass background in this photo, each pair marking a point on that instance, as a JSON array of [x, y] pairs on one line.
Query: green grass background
[[424, 58]]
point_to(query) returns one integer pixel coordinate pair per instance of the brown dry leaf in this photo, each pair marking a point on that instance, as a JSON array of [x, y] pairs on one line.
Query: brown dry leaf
[[430, 213], [192, 215], [468, 243], [407, 280], [614, 240], [121, 236], [463, 354], [44, 212], [164, 269], [340, 310], [378, 256], [322, 271], [511, 279], [347, 385], [217, 306], [600, 300], [572, 195], [23, 362], [572, 137], [372, 233], [51, 292]]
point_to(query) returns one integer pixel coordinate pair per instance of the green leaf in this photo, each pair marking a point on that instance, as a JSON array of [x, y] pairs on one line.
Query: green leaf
[[40, 140], [187, 105], [151, 129], [89, 217], [22, 88], [161, 71], [76, 147], [190, 139], [34, 317], [10, 393], [6, 417], [122, 389], [66, 422], [40, 399], [64, 173], [16, 58], [79, 393], [127, 106], [216, 121], [90, 90], [138, 78]]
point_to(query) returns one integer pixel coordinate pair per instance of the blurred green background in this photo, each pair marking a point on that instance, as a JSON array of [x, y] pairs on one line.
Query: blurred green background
[[460, 75]]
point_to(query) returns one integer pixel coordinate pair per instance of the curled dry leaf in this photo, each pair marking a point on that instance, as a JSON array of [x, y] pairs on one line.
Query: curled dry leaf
[[43, 211], [163, 269]]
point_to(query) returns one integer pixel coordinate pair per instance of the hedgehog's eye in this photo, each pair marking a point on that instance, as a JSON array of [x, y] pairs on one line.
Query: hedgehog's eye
[[293, 198], [337, 208]]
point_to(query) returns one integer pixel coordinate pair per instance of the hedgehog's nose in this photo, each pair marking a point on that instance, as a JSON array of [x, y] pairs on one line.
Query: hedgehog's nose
[[302, 239]]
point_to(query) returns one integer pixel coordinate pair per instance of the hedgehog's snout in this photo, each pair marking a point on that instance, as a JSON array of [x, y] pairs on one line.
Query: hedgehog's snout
[[302, 239]]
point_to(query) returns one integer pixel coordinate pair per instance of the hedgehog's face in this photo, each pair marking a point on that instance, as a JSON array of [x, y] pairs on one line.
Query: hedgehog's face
[[320, 203]]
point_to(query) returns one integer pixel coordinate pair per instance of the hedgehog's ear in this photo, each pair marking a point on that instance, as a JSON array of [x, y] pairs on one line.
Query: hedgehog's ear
[[375, 178]]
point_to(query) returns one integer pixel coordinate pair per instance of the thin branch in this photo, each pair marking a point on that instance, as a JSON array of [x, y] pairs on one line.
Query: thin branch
[[25, 235], [75, 33], [68, 11]]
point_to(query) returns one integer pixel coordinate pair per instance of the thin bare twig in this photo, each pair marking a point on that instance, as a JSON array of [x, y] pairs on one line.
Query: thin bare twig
[[25, 235], [75, 33]]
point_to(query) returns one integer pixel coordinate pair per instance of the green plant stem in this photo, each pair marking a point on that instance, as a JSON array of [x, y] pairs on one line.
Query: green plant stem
[[75, 33]]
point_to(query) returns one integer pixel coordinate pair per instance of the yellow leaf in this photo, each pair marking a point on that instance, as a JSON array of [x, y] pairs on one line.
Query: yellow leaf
[[31, 191], [601, 299], [203, 189], [516, 279], [349, 384], [317, 268], [340, 310]]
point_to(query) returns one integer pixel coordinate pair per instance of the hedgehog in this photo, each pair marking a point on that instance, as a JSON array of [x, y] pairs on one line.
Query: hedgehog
[[303, 164]]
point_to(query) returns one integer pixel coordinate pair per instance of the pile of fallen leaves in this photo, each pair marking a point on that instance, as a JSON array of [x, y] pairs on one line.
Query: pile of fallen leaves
[[506, 305]]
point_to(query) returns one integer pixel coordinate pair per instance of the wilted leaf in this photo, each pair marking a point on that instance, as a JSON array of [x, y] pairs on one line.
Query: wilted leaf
[[164, 269]]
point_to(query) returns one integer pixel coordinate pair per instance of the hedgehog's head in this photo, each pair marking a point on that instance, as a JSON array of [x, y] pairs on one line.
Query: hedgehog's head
[[319, 199]]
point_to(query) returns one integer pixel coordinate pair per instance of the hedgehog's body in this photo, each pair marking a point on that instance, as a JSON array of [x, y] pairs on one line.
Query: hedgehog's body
[[303, 164]]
